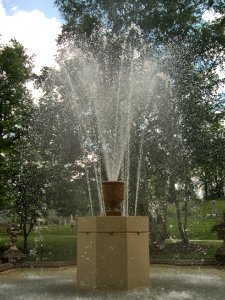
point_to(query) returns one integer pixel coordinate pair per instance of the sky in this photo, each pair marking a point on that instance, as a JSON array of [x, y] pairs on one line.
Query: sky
[[35, 24]]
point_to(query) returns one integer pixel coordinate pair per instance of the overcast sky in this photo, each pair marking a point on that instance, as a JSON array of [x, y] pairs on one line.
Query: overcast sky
[[34, 23]]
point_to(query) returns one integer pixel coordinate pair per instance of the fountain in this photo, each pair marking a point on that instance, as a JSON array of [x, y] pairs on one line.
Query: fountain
[[108, 101], [112, 251], [113, 248]]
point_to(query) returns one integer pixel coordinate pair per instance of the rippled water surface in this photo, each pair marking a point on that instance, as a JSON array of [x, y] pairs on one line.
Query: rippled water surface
[[166, 282]]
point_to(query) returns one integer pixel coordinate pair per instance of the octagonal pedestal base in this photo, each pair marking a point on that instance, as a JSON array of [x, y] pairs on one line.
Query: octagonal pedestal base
[[113, 252]]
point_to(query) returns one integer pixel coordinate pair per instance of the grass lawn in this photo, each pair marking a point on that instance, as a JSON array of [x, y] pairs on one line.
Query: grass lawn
[[55, 242], [48, 243], [55, 248], [200, 220], [201, 210], [55, 230], [198, 229], [196, 250]]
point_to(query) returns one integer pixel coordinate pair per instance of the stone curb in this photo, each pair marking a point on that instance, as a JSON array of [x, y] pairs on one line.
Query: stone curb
[[45, 264], [6, 267], [57, 264], [35, 264], [185, 262]]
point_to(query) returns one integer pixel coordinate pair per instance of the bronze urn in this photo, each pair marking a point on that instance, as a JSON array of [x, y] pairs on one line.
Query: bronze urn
[[113, 195]]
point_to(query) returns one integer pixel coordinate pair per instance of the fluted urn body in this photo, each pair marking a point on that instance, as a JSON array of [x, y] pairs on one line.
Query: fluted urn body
[[113, 195]]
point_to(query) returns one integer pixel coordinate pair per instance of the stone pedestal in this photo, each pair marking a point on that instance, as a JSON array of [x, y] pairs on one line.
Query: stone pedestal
[[13, 254], [113, 252]]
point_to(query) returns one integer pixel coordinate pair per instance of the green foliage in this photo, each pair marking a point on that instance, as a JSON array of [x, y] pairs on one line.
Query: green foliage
[[59, 145], [23, 171], [160, 21], [15, 71], [184, 136], [15, 109]]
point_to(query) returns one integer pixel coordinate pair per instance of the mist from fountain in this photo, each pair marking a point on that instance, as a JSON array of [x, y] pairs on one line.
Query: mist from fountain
[[107, 106]]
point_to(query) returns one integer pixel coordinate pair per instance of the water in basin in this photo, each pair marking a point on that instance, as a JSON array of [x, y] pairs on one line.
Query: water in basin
[[166, 283]]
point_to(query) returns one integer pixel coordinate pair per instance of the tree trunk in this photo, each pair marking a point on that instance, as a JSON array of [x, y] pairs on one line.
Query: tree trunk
[[152, 229], [24, 218], [25, 239], [186, 196], [205, 188], [165, 223], [186, 241], [161, 224], [181, 229], [179, 223], [218, 187]]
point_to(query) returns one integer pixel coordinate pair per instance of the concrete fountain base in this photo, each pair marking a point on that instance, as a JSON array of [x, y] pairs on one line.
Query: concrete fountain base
[[113, 252]]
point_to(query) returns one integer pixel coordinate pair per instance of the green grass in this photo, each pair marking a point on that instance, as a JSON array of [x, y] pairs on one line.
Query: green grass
[[2, 230], [199, 224], [201, 210], [198, 229], [208, 252], [54, 242], [66, 230], [4, 241], [206, 207], [62, 248], [53, 248], [48, 243]]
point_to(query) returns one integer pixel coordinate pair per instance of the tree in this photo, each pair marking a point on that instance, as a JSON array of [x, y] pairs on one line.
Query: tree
[[15, 107], [160, 21], [60, 144], [23, 172], [29, 184], [189, 109]]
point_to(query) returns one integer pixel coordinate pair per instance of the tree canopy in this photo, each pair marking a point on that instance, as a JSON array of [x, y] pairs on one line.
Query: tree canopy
[[184, 136], [15, 106], [51, 153]]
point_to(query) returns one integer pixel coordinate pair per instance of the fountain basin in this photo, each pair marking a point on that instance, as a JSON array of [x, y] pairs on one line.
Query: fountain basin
[[166, 283]]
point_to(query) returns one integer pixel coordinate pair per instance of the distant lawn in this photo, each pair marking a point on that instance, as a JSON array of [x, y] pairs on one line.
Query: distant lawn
[[59, 248], [55, 242], [200, 220], [53, 248], [206, 251], [199, 210], [198, 229], [55, 230], [3, 230], [48, 243]]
